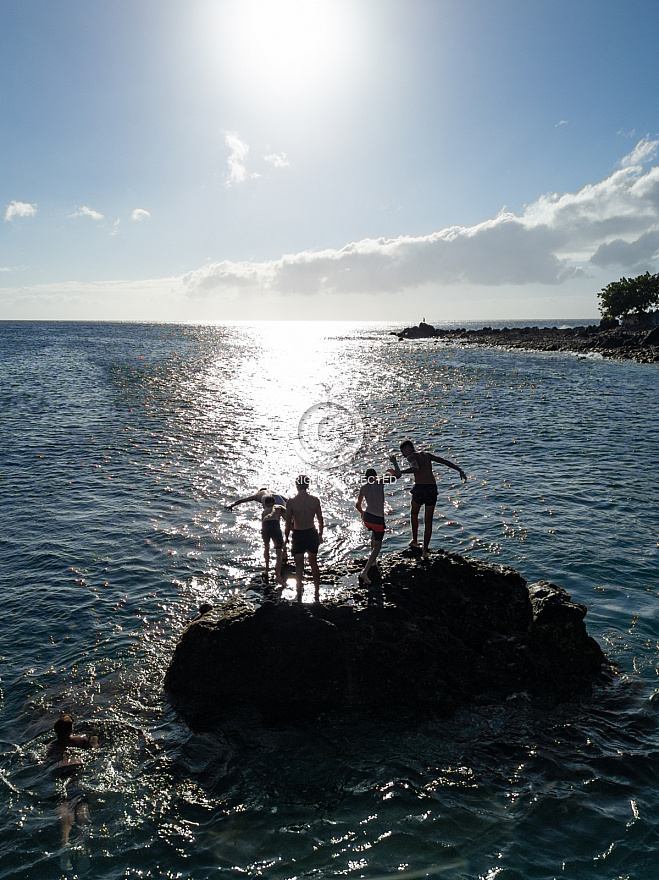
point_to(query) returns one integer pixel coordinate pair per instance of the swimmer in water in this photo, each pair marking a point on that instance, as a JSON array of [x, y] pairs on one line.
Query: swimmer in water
[[73, 807]]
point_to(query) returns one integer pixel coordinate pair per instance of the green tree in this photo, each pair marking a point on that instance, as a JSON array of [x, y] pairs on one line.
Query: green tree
[[629, 295]]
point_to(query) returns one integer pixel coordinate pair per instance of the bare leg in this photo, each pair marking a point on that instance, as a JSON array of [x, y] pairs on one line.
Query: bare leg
[[280, 552], [266, 554], [414, 521], [428, 514], [375, 550], [67, 820], [315, 572], [299, 573]]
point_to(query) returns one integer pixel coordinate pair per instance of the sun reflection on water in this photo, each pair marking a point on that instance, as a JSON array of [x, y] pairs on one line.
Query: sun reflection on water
[[292, 367]]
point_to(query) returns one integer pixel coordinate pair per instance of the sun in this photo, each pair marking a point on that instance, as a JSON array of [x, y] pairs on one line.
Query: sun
[[287, 50]]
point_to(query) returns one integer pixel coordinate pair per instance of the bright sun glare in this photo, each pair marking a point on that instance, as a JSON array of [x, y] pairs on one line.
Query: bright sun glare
[[287, 49]]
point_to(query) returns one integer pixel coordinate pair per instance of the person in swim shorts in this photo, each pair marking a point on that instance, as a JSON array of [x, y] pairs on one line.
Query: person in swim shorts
[[301, 513], [260, 497], [271, 531], [73, 808], [424, 491], [372, 493]]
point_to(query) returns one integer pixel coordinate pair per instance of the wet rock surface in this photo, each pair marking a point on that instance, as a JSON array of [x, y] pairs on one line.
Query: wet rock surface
[[445, 632], [638, 345]]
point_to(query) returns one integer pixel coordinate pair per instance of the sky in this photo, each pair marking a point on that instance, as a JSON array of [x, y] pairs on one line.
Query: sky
[[210, 160]]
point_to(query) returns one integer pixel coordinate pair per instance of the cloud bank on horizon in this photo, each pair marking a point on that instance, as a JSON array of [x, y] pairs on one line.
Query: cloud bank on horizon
[[609, 224]]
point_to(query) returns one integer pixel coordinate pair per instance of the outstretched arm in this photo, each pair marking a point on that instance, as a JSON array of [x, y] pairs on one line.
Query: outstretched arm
[[450, 464], [243, 500]]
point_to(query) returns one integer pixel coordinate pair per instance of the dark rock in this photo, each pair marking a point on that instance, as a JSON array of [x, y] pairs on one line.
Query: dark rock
[[442, 633], [423, 331], [608, 339], [651, 338]]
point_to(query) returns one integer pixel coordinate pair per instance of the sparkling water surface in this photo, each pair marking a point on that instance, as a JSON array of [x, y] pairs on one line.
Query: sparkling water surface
[[120, 447]]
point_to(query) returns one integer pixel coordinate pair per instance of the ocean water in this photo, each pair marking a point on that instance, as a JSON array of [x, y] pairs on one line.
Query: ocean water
[[120, 447]]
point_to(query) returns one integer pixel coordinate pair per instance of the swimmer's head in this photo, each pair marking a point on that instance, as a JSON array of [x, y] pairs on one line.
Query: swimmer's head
[[63, 727], [371, 474], [302, 481], [263, 489], [269, 501], [407, 446]]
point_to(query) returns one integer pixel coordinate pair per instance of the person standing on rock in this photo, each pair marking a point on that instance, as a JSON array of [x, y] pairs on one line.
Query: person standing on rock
[[301, 513], [260, 497], [424, 491], [271, 531], [372, 492]]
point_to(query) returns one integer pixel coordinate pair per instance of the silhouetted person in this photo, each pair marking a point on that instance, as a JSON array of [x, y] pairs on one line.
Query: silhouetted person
[[301, 513], [271, 531], [372, 492], [424, 492]]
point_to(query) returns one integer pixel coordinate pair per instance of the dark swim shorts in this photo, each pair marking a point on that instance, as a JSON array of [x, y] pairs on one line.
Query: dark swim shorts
[[305, 541], [425, 493], [375, 524], [271, 529]]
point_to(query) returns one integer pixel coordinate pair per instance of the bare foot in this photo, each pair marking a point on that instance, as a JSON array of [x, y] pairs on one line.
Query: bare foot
[[413, 543], [364, 577], [426, 553]]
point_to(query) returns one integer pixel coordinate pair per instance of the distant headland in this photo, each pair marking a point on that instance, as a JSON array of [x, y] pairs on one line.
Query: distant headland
[[627, 341]]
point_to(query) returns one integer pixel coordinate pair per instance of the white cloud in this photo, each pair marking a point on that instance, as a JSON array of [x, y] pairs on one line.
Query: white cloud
[[139, 214], [236, 161], [562, 122], [20, 209], [86, 211], [278, 160], [557, 237], [644, 151], [115, 226]]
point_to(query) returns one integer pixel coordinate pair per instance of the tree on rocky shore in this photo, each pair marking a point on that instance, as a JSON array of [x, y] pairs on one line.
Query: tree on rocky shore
[[629, 295]]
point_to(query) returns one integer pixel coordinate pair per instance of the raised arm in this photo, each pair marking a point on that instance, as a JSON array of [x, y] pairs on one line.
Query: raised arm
[[397, 471], [450, 464]]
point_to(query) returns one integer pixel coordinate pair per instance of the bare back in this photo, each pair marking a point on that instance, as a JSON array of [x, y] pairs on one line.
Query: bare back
[[303, 509], [423, 474]]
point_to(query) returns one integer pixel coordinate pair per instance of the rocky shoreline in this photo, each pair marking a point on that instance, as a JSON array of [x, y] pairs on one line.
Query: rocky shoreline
[[445, 633], [617, 342]]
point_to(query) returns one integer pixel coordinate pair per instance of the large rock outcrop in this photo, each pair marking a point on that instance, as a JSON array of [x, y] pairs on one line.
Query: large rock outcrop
[[443, 633], [641, 345]]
